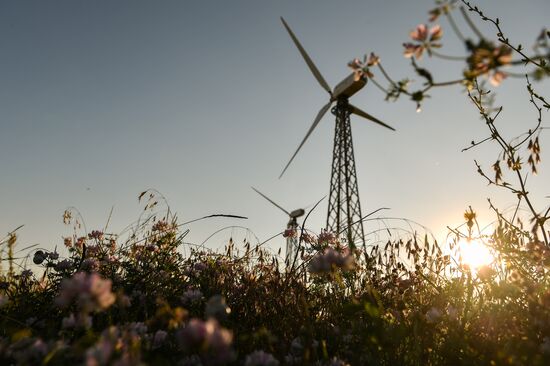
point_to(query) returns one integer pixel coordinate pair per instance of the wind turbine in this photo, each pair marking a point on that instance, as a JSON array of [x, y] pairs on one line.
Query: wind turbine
[[344, 209], [291, 240]]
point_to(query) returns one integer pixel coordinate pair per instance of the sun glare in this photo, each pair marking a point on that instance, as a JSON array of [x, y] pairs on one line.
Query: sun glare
[[474, 253]]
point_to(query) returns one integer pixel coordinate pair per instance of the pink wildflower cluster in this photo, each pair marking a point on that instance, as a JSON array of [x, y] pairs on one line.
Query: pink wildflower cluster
[[209, 339], [74, 243], [89, 290], [117, 346], [191, 296], [290, 233], [163, 226], [96, 234], [327, 237], [330, 260], [486, 59], [425, 38], [361, 68], [308, 238], [435, 13]]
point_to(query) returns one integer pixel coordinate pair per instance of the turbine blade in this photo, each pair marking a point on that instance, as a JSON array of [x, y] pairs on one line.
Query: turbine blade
[[353, 109], [270, 200], [308, 60], [315, 123]]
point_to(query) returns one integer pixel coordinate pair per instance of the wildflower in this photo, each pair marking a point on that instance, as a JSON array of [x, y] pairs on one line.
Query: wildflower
[[159, 338], [63, 265], [373, 59], [67, 216], [91, 292], [413, 50], [217, 308], [68, 242], [326, 237], [260, 358], [307, 238], [436, 12], [90, 265], [425, 38], [117, 346], [200, 266], [112, 245], [330, 260], [486, 59], [101, 352], [152, 248], [358, 68], [361, 68], [162, 226], [93, 250], [96, 234], [289, 233], [80, 243], [209, 338], [497, 77], [26, 274], [191, 295]]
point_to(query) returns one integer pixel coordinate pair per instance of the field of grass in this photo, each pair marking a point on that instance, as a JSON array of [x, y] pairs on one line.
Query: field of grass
[[406, 303]]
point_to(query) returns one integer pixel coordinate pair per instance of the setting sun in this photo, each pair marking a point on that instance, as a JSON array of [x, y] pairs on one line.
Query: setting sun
[[474, 253]]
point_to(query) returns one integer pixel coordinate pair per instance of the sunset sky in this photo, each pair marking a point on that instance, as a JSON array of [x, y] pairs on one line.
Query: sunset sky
[[202, 99]]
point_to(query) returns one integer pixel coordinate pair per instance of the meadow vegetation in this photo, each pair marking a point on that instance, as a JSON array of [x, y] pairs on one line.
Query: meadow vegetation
[[139, 299]]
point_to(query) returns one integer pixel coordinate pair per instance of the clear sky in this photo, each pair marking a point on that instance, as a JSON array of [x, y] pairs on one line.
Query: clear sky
[[203, 99]]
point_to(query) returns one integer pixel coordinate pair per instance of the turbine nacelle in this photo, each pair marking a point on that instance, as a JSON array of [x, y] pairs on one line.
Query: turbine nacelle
[[297, 213], [292, 215], [348, 87], [343, 91]]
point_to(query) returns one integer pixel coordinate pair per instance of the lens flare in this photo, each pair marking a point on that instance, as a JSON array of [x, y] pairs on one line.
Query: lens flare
[[475, 253]]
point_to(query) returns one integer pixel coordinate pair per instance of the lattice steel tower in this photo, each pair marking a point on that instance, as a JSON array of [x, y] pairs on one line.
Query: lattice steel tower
[[344, 209]]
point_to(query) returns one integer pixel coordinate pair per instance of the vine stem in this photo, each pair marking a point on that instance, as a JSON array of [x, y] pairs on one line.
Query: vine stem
[[454, 26], [447, 57]]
